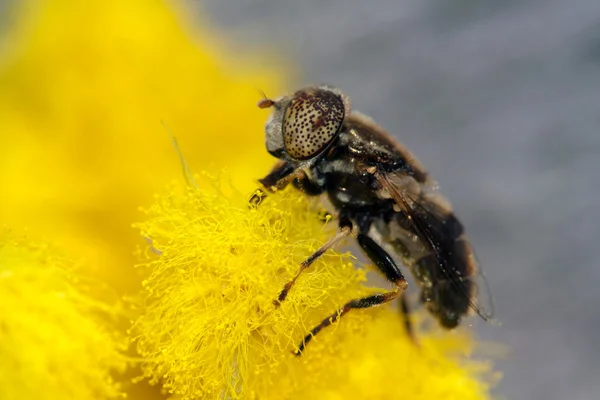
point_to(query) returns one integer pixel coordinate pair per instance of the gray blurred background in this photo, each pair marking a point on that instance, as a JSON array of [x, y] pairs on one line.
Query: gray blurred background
[[501, 101]]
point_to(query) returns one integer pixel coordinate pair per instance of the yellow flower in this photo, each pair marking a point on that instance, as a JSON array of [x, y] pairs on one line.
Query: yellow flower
[[84, 86], [209, 328], [55, 340]]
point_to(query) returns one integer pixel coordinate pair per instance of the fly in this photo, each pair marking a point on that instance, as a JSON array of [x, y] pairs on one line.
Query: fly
[[382, 195]]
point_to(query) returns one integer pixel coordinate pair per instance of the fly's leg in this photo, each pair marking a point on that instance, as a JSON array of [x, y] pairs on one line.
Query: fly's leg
[[405, 311], [387, 266], [257, 197], [345, 231], [280, 176], [365, 302], [401, 248], [324, 216]]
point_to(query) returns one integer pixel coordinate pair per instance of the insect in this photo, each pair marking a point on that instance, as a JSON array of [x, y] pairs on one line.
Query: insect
[[383, 197]]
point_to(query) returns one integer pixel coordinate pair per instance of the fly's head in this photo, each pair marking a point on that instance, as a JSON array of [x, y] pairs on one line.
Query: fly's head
[[304, 125]]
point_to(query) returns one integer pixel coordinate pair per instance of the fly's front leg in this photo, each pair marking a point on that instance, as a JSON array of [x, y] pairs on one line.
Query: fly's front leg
[[282, 175], [387, 266], [279, 177]]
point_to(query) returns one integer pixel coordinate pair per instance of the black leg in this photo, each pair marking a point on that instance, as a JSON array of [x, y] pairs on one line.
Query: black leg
[[405, 311], [382, 260], [280, 171], [365, 302], [282, 175], [279, 177], [345, 231], [386, 264]]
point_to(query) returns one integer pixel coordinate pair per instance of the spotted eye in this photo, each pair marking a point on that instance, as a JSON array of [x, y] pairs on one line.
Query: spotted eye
[[311, 122]]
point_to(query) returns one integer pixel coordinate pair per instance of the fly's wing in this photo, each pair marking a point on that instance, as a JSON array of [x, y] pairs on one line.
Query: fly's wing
[[427, 233], [446, 267]]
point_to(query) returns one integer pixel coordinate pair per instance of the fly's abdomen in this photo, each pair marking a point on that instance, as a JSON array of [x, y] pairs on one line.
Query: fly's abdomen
[[441, 259], [446, 295]]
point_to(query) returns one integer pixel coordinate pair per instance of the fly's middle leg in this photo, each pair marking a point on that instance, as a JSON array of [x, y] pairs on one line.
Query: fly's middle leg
[[345, 231]]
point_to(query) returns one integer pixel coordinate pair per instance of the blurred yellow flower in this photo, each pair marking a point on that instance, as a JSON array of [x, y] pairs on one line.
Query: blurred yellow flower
[[84, 86], [209, 329], [55, 341]]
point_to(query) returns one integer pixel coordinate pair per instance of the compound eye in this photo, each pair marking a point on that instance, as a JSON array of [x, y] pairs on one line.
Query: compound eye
[[311, 122]]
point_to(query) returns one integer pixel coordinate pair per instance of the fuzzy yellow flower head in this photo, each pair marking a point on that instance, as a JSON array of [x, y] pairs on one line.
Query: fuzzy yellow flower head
[[209, 328], [54, 340]]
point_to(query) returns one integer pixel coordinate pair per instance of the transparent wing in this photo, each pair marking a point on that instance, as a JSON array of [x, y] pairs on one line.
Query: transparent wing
[[448, 262]]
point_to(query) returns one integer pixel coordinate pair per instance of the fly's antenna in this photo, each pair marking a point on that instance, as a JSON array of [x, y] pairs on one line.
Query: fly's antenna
[[265, 102], [187, 174]]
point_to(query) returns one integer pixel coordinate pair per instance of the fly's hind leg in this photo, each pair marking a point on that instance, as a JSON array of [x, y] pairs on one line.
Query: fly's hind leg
[[387, 266], [405, 311], [404, 308], [365, 302]]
